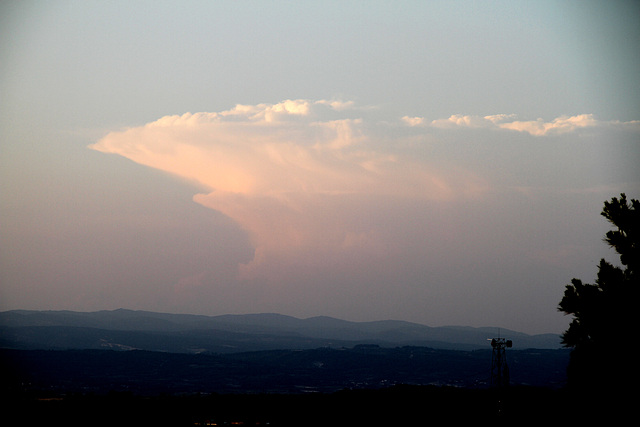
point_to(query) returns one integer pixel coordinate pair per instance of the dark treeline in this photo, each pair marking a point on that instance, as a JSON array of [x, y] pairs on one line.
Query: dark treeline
[[322, 387], [605, 312], [399, 405], [279, 371]]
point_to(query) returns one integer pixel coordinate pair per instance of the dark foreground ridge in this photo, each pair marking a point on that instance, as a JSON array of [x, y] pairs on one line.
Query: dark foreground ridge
[[365, 385], [148, 369], [400, 405], [278, 371]]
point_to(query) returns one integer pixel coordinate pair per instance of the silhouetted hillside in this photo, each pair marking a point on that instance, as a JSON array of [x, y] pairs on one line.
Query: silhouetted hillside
[[276, 371], [365, 385], [140, 368], [395, 406]]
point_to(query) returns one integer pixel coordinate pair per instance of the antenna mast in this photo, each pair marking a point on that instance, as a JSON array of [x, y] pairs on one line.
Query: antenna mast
[[499, 368]]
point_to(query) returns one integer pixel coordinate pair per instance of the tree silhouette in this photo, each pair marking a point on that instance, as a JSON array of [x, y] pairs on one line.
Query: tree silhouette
[[604, 313]]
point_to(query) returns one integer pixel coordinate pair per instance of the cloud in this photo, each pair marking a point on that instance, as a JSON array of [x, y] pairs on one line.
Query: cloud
[[539, 127], [559, 125], [459, 120], [316, 182], [289, 173]]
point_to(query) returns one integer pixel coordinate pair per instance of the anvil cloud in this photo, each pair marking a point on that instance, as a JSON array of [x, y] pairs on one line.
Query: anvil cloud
[[317, 183], [296, 175]]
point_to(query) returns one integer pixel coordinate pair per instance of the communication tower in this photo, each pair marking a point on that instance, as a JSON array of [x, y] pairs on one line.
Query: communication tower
[[499, 367]]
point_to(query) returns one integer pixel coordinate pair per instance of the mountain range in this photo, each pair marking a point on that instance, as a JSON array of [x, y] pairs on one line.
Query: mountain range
[[66, 353], [185, 333]]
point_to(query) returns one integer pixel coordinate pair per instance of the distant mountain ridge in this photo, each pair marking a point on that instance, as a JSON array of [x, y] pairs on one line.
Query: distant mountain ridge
[[187, 333]]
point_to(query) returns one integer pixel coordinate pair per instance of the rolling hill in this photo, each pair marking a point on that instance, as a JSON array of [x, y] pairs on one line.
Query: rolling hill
[[184, 333]]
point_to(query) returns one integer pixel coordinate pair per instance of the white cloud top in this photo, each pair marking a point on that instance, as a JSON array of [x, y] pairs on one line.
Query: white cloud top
[[507, 121]]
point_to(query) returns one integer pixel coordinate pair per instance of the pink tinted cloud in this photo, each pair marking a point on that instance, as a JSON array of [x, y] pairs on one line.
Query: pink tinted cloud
[[311, 181], [296, 175]]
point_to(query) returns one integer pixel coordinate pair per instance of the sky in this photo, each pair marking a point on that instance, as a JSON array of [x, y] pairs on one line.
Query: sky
[[439, 162]]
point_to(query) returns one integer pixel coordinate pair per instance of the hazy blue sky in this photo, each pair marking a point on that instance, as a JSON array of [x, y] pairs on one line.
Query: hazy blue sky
[[443, 162]]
